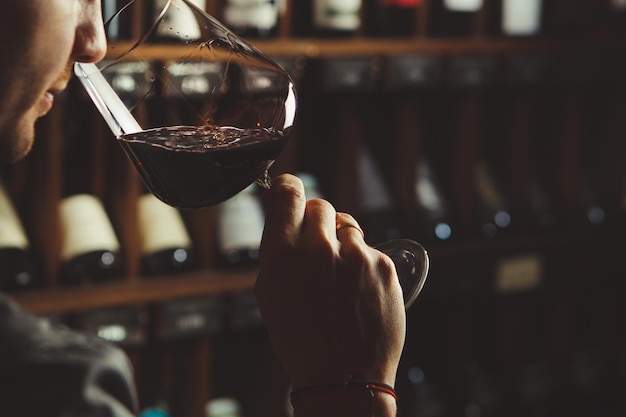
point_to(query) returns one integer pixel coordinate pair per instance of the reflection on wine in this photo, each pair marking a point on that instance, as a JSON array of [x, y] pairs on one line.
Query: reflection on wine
[[193, 167]]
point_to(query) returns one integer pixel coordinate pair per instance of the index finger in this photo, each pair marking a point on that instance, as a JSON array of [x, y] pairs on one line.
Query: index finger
[[284, 205]]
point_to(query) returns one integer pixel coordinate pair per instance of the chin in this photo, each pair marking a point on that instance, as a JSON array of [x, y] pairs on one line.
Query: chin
[[15, 145]]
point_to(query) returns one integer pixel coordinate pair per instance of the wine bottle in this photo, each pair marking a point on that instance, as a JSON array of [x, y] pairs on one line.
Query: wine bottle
[[336, 18], [433, 214], [189, 317], [453, 18], [532, 203], [90, 251], [378, 212], [463, 5], [393, 18], [18, 271], [165, 243], [412, 91], [125, 326], [223, 407], [521, 17], [179, 23], [240, 224], [252, 18], [118, 27], [493, 207], [470, 78]]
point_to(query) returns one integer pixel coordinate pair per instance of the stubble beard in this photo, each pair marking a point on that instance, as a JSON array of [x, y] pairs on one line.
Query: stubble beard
[[17, 141]]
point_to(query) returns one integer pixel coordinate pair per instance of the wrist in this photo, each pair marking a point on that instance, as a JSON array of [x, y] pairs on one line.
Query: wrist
[[351, 398]]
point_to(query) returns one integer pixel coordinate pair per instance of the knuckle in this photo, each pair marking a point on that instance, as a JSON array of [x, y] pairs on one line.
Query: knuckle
[[318, 247], [354, 254], [286, 192], [385, 267], [318, 204]]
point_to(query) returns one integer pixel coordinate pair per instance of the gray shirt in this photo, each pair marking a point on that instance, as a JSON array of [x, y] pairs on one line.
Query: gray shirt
[[51, 371]]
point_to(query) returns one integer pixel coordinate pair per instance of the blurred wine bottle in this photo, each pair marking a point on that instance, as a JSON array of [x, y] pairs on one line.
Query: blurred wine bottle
[[223, 407], [189, 317], [252, 18], [90, 251], [179, 21], [378, 213], [118, 27], [393, 18], [578, 201], [336, 18], [177, 362], [491, 167], [240, 222], [453, 18], [525, 80], [345, 87], [18, 264], [125, 326], [494, 208], [516, 18], [412, 86], [166, 247], [434, 215], [478, 201]]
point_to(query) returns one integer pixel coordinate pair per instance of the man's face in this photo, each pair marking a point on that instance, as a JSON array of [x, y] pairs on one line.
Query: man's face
[[39, 42]]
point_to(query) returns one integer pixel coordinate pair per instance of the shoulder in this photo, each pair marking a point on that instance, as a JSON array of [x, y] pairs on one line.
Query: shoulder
[[63, 369]]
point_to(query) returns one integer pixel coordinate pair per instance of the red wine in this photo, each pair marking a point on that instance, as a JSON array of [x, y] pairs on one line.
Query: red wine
[[194, 167]]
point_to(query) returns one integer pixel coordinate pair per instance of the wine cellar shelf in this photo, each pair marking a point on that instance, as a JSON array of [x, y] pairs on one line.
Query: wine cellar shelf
[[131, 292], [216, 282]]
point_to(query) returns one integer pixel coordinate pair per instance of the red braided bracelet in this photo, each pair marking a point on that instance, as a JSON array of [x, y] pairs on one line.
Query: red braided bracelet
[[349, 383]]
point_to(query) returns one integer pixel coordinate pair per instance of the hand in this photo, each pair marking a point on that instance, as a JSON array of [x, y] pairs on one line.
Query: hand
[[332, 305]]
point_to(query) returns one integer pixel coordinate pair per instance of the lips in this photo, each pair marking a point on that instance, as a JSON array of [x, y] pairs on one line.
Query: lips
[[47, 99]]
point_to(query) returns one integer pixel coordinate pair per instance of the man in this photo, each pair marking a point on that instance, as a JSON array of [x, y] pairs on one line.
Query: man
[[332, 305]]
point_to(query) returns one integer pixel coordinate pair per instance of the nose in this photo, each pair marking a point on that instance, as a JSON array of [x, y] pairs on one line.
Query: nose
[[90, 39]]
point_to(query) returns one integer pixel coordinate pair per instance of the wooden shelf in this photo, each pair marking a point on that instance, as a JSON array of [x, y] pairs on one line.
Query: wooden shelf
[[213, 282], [384, 46], [137, 291], [315, 48]]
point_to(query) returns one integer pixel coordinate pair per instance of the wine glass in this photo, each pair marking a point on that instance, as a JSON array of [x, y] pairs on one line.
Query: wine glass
[[201, 113]]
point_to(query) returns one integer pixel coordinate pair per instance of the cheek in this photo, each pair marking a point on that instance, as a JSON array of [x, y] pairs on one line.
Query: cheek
[[51, 37]]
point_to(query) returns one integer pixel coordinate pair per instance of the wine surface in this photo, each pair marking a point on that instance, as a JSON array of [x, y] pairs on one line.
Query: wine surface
[[192, 167]]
